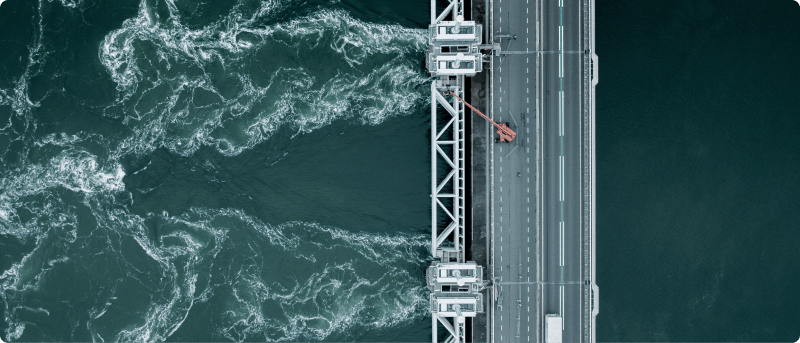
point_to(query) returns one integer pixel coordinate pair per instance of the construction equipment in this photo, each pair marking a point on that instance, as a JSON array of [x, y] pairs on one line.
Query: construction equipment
[[506, 134]]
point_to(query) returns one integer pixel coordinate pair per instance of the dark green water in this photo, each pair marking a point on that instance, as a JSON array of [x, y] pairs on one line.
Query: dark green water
[[698, 136], [213, 171], [259, 170]]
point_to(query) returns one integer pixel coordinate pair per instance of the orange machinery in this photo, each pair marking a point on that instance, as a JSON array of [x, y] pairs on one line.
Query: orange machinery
[[506, 134]]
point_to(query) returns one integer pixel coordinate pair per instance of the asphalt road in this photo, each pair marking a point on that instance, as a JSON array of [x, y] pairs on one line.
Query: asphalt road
[[538, 215]]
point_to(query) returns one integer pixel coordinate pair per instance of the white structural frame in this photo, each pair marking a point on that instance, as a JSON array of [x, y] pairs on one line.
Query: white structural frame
[[447, 237], [591, 294], [455, 296]]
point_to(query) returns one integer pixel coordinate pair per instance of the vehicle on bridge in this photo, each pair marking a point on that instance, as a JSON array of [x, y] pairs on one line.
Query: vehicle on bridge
[[553, 328]]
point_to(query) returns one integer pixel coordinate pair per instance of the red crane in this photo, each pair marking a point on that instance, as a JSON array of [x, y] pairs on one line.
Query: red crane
[[506, 134]]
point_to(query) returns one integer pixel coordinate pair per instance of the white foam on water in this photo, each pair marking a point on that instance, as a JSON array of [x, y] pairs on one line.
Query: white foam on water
[[26, 276], [168, 77], [169, 96], [338, 292], [53, 225], [184, 246], [18, 97], [75, 170], [357, 282], [346, 281], [14, 331]]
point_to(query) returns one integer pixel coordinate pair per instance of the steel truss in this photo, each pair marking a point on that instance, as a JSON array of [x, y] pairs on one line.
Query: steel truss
[[447, 184], [447, 178]]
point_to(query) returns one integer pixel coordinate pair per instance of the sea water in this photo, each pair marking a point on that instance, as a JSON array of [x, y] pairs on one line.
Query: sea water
[[213, 171]]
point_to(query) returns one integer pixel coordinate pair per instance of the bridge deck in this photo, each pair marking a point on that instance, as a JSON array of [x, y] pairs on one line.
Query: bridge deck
[[538, 182]]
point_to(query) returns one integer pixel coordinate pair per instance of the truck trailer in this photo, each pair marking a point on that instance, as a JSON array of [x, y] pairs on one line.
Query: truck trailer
[[553, 325]]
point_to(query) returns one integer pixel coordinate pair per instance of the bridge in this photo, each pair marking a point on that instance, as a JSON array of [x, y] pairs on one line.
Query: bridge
[[537, 67]]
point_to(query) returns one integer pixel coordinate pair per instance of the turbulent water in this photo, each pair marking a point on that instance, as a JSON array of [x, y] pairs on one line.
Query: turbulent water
[[203, 171]]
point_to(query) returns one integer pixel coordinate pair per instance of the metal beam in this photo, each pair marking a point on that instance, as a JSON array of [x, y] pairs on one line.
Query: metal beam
[[445, 233], [447, 325], [445, 12], [539, 52], [446, 105]]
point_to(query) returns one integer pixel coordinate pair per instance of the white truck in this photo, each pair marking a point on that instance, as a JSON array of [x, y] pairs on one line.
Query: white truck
[[553, 324]]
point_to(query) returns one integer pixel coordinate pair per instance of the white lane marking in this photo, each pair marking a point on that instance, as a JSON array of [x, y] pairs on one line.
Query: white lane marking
[[560, 114], [562, 243], [562, 178]]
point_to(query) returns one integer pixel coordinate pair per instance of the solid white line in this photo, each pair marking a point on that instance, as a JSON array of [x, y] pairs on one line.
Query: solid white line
[[560, 113], [561, 235], [561, 179]]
